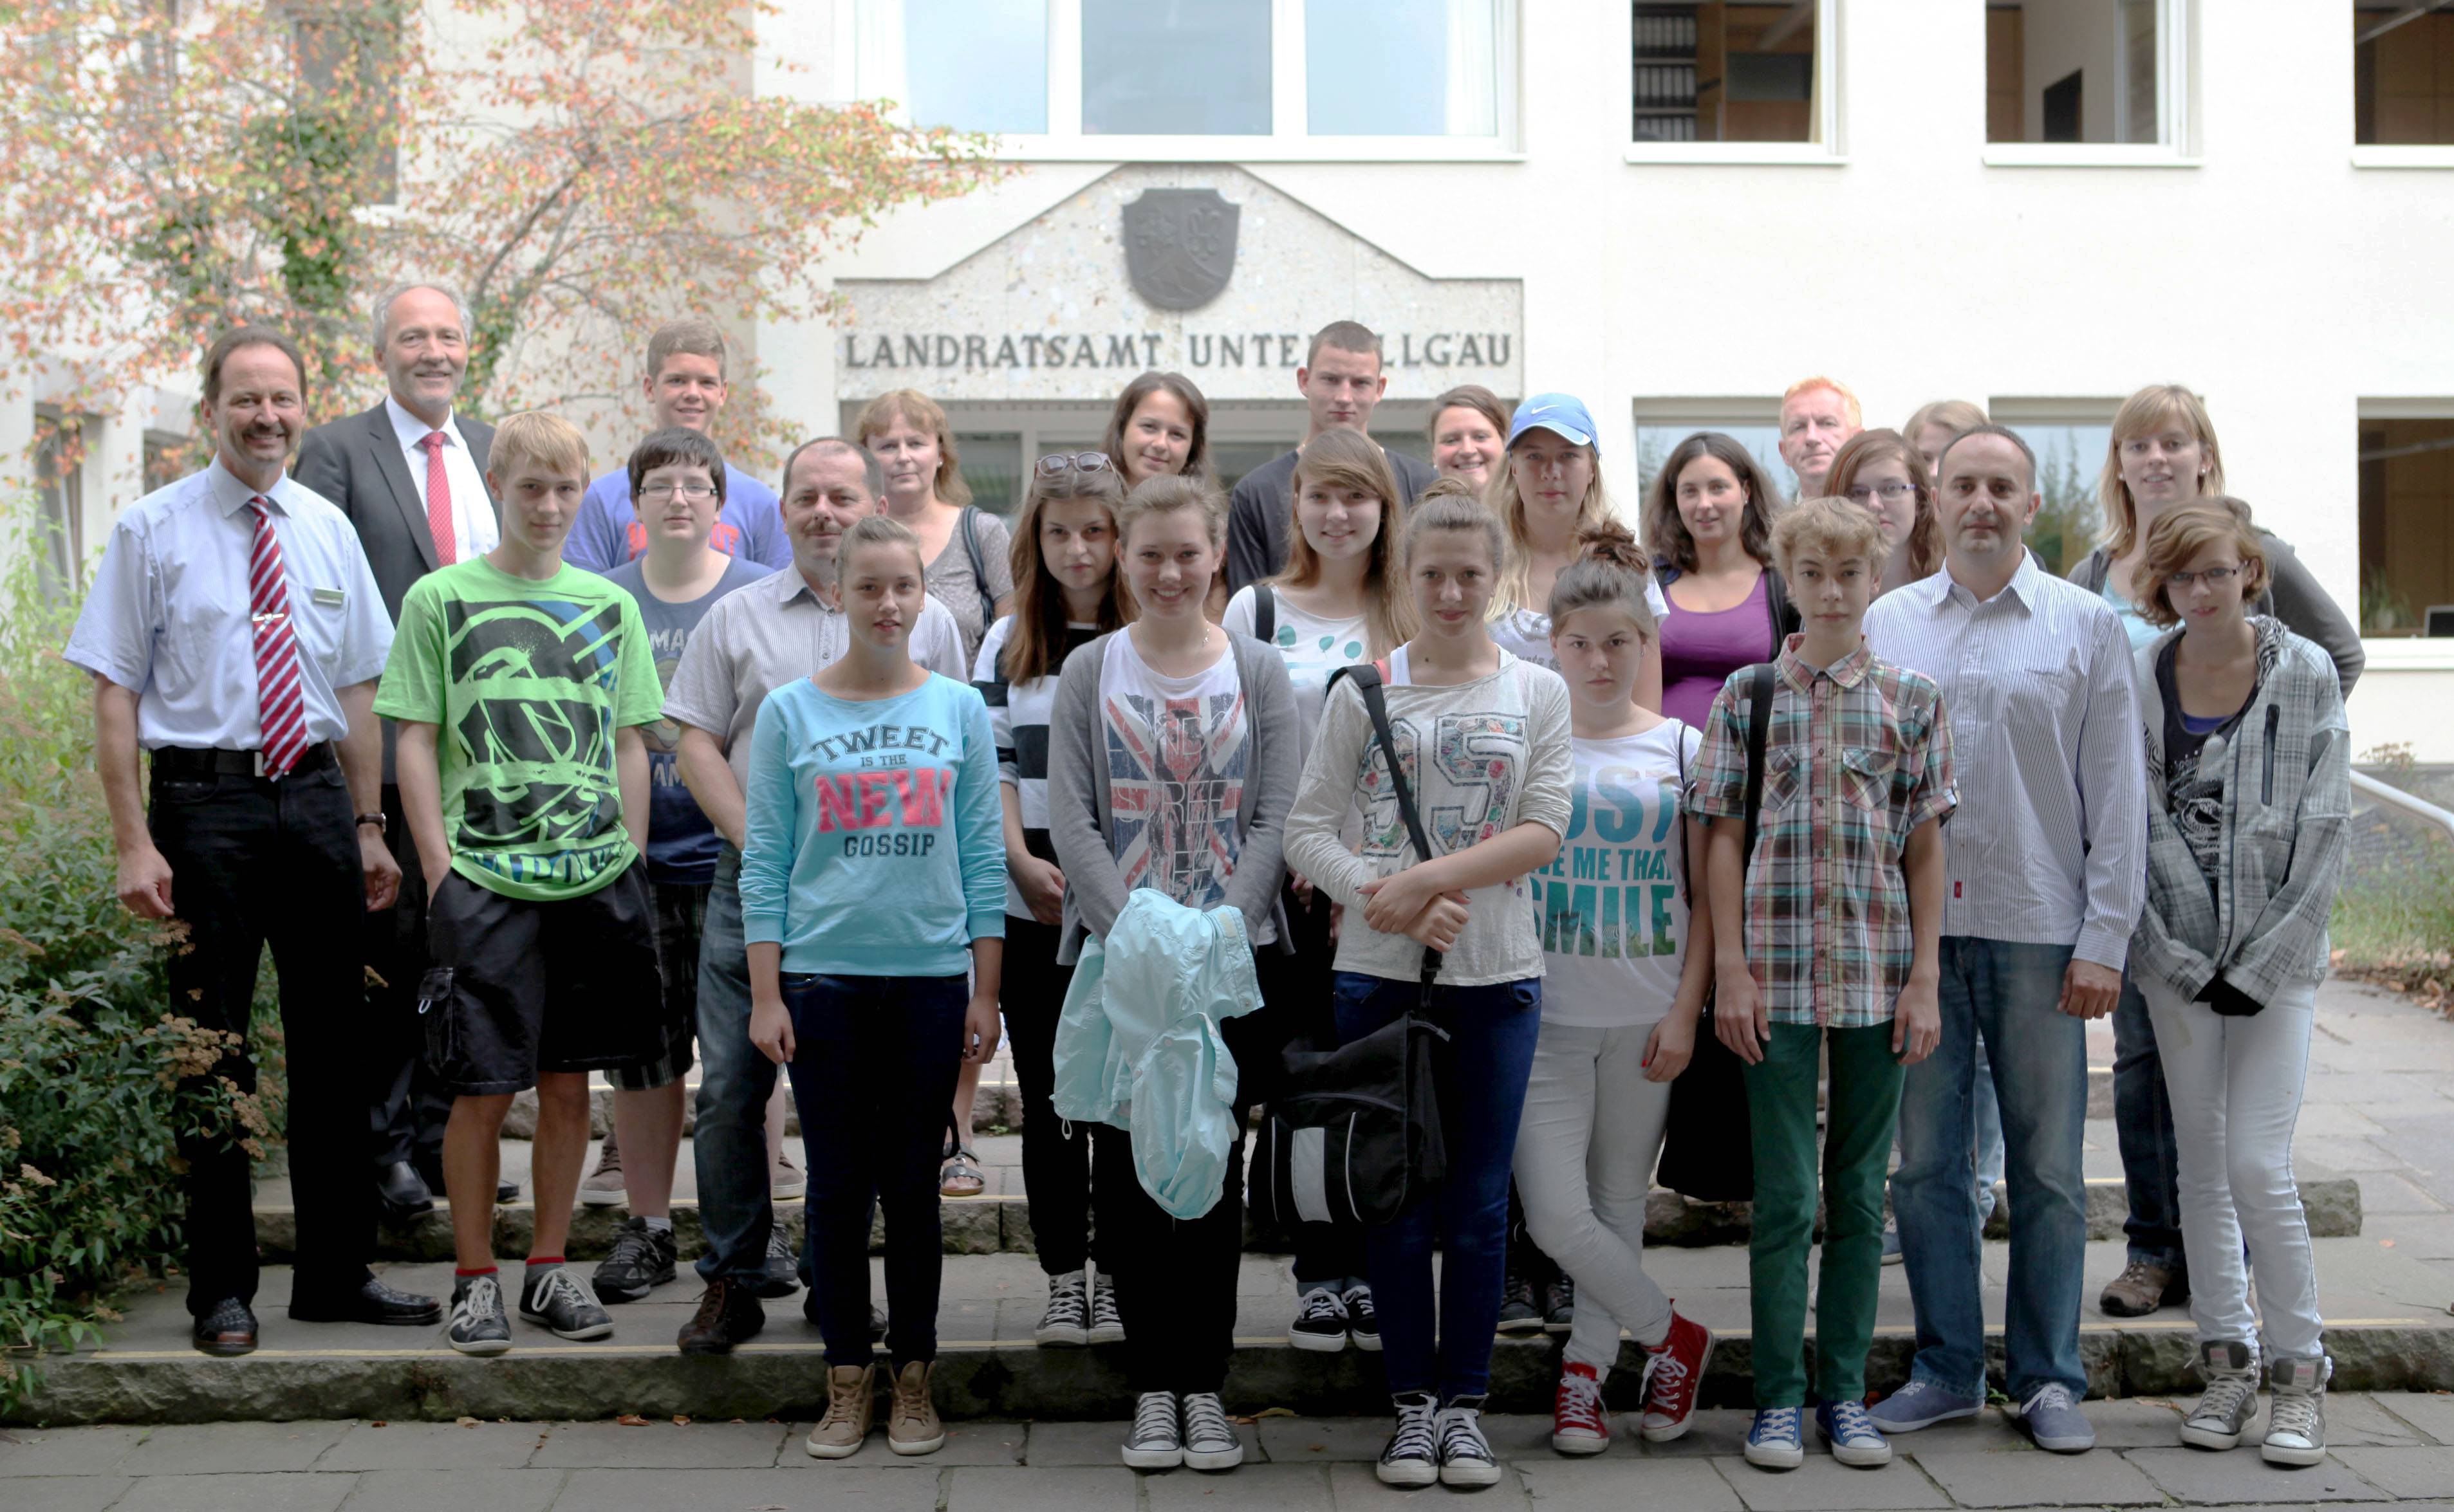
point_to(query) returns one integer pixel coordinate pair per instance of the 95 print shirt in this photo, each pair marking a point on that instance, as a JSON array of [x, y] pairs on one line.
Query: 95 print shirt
[[876, 834]]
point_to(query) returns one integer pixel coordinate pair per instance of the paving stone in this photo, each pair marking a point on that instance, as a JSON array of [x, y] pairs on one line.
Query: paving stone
[[1076, 1443], [1612, 1483], [433, 1446], [2431, 1412], [1355, 1488], [1070, 1489], [492, 1490], [65, 1493], [2022, 1478], [1823, 1482], [2413, 1472], [215, 1448], [65, 1451], [1321, 1441], [2239, 1476], [1257, 1487], [236, 1493], [2357, 1418], [966, 1443], [708, 1490], [659, 1444], [2122, 1422]]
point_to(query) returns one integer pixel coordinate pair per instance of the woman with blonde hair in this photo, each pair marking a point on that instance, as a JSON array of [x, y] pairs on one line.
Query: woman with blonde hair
[[966, 549], [2164, 455], [1467, 424], [1931, 429], [1880, 472], [1549, 491]]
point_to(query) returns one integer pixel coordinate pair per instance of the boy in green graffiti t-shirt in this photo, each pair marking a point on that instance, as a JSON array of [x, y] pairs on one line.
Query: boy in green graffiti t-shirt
[[520, 684]]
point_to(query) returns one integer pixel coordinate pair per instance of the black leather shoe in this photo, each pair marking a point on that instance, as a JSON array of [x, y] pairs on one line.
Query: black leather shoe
[[404, 1192], [374, 1302], [228, 1330]]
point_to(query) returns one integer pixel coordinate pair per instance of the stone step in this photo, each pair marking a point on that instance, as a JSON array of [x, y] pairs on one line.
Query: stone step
[[1001, 1224], [987, 1367]]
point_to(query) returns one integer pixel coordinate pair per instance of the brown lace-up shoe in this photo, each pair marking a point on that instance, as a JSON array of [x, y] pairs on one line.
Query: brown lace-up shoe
[[851, 1407], [727, 1315], [2141, 1289]]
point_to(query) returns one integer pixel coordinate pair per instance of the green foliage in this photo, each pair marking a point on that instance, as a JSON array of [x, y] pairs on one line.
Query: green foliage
[[2395, 920], [2067, 520], [90, 1099]]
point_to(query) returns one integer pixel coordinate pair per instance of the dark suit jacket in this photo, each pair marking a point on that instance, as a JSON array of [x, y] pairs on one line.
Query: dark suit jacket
[[356, 462]]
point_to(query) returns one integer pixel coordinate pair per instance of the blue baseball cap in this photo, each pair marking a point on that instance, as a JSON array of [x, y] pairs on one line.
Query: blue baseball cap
[[1561, 414]]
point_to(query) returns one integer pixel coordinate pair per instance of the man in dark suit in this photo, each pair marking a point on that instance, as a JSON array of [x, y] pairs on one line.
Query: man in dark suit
[[411, 477]]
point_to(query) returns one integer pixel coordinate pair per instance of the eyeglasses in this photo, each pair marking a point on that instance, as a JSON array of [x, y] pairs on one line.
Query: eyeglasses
[[2212, 577], [1058, 464], [1893, 491], [693, 492]]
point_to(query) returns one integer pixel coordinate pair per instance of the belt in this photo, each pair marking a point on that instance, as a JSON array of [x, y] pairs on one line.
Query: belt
[[182, 761]]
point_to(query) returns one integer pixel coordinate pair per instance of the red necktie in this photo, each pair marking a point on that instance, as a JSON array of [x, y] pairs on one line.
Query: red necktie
[[281, 703], [438, 500]]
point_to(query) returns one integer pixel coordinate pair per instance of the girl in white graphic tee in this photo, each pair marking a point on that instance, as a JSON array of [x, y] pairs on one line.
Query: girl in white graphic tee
[[1627, 966]]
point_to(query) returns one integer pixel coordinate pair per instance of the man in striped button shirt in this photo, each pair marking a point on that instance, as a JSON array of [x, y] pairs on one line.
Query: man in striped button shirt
[[2046, 873]]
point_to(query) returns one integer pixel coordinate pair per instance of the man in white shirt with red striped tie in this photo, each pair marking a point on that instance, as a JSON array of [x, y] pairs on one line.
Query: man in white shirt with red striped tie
[[235, 633]]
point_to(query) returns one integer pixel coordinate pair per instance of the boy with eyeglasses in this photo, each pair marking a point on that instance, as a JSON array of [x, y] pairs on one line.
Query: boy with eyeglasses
[[677, 483]]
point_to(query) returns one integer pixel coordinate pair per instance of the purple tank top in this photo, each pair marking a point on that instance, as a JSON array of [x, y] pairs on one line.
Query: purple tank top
[[1701, 648]]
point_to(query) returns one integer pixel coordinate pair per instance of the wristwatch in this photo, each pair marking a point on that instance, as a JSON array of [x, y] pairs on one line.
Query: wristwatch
[[382, 825]]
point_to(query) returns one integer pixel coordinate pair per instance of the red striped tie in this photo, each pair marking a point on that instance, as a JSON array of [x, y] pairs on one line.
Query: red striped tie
[[438, 501], [281, 702]]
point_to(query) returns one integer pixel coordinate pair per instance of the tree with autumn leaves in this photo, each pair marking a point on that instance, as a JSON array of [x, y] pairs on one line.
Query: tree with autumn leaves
[[580, 170]]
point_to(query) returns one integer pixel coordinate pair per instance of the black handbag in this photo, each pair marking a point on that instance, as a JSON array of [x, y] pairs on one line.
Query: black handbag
[[1707, 1152], [1353, 1135]]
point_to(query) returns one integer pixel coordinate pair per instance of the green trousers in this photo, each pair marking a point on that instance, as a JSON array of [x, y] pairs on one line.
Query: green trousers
[[1863, 1109]]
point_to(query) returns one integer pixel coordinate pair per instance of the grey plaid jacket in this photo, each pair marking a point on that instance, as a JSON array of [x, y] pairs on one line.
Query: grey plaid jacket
[[2287, 809]]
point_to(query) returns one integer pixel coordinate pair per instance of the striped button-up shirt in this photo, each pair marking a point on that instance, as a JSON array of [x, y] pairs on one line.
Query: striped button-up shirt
[[2050, 845], [1856, 756]]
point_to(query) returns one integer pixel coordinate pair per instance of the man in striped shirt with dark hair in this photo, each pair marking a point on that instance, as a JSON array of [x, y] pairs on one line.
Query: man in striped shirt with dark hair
[[2046, 874]]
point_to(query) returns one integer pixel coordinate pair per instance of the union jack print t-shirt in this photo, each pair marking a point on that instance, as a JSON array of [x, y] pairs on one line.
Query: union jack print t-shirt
[[1179, 753]]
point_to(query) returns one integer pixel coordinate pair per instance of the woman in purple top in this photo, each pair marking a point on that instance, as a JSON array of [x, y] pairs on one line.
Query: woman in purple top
[[1708, 522]]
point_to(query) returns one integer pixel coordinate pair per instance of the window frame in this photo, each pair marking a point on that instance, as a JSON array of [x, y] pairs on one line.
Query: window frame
[[1288, 140], [2176, 111], [2409, 653], [1825, 150]]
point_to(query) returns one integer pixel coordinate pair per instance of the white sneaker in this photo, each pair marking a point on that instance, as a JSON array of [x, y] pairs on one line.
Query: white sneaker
[[1210, 1442], [1154, 1443], [1465, 1454], [2296, 1410]]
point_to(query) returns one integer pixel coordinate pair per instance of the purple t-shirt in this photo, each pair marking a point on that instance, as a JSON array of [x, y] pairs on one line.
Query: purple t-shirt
[[1701, 648]]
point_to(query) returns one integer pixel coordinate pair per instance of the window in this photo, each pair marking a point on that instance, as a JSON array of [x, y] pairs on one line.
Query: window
[[1194, 80], [1731, 72], [2086, 73], [2402, 74], [974, 65], [345, 60], [59, 489], [993, 465], [1655, 437], [2070, 458], [2406, 494]]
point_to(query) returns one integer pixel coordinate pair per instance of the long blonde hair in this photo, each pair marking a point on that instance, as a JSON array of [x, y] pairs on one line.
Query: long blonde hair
[[2152, 407], [1516, 584], [1347, 459]]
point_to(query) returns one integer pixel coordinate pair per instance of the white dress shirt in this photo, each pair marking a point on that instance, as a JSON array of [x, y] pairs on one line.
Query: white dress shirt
[[473, 528], [169, 613], [2049, 844]]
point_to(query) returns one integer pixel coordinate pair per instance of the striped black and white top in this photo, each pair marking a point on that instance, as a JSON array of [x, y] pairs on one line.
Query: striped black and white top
[[1019, 719]]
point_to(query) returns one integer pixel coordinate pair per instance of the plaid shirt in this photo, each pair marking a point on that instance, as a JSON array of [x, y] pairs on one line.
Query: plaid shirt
[[1858, 755]]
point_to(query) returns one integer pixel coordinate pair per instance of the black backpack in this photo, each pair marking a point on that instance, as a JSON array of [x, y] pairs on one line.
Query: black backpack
[[1355, 1135]]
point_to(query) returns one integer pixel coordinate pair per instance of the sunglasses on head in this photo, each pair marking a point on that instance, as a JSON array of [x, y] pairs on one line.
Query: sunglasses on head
[[1056, 464]]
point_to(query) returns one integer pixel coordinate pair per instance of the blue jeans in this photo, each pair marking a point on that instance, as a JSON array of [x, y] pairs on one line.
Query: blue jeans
[[1481, 1073], [2005, 992], [873, 1065], [2142, 1125], [729, 1139], [1990, 1137]]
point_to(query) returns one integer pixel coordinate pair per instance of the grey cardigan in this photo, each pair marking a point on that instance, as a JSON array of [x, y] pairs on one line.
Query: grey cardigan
[[2292, 595], [1078, 794], [2286, 823]]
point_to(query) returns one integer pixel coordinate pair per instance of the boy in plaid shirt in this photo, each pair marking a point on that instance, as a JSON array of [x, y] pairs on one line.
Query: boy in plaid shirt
[[1828, 937]]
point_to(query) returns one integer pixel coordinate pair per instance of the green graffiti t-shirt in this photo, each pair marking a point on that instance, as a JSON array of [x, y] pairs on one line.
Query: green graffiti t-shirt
[[527, 681]]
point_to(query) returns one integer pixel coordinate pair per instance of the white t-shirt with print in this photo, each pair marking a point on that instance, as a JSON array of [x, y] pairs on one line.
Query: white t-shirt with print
[[1612, 908], [1179, 753], [1527, 632], [1312, 647]]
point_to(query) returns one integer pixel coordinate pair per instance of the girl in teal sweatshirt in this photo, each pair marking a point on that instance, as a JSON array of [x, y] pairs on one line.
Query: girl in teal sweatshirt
[[871, 880]]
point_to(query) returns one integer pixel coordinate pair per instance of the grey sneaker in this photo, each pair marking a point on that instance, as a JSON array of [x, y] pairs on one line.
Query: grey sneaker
[[1154, 1443], [1210, 1442], [2296, 1418], [1921, 1405], [2054, 1421], [1107, 1319], [781, 1270], [1891, 1244], [478, 1326], [2230, 1399], [642, 1258], [1465, 1454], [603, 1188], [555, 1300], [1067, 1318]]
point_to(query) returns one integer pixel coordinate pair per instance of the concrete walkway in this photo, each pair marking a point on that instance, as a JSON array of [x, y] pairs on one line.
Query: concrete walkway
[[2386, 1449]]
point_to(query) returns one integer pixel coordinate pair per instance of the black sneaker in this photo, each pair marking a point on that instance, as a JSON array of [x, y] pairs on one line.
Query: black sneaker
[[1107, 1319], [554, 1300], [1412, 1454], [643, 1257], [1320, 1321], [783, 1276], [728, 1314], [1559, 1306], [1067, 1319], [1363, 1318], [478, 1326], [1519, 1316]]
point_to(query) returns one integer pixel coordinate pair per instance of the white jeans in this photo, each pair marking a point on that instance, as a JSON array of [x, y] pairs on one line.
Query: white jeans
[[1585, 1150], [2235, 1085]]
